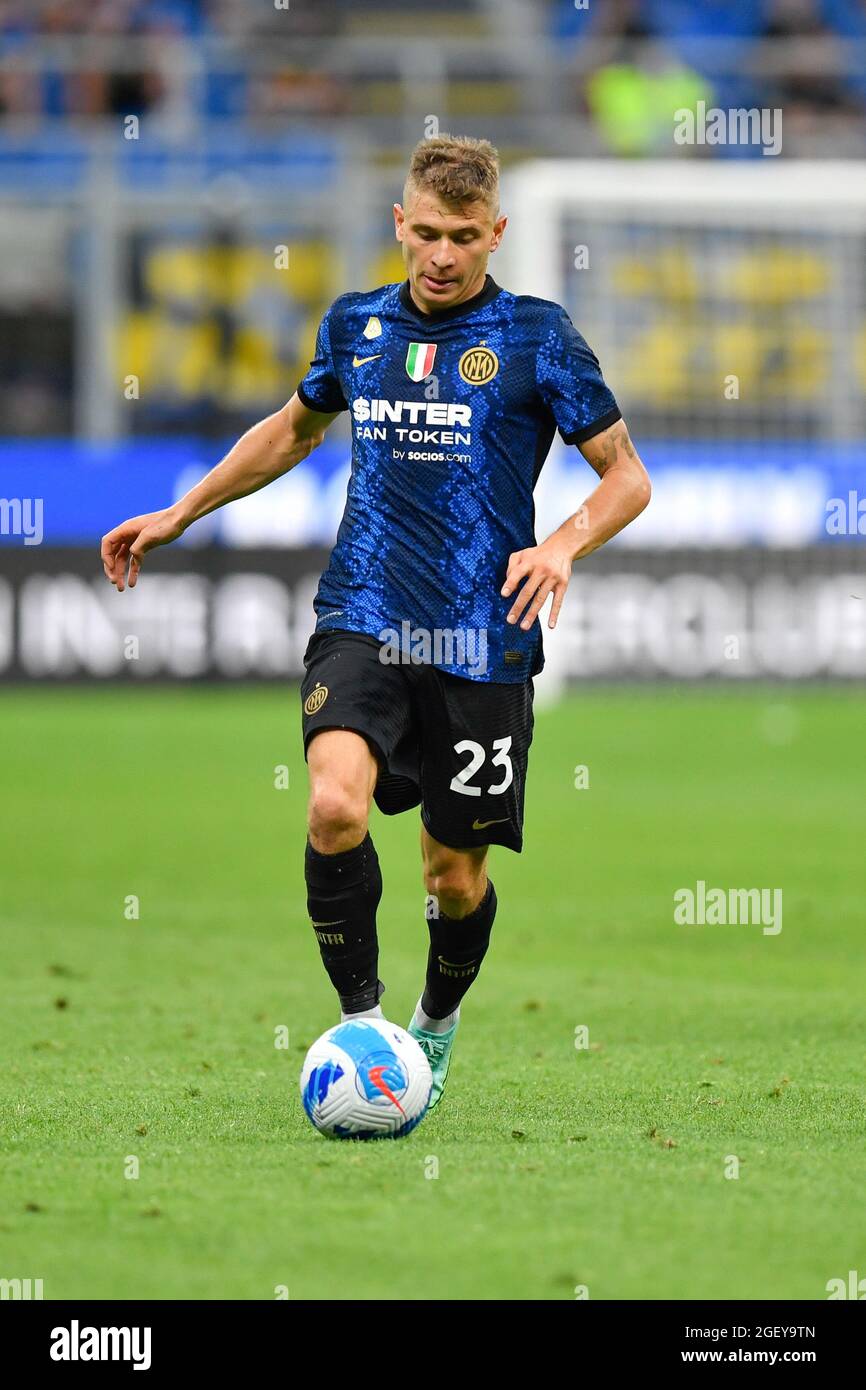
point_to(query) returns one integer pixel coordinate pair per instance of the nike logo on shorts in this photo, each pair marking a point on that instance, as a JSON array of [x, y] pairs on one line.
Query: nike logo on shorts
[[483, 824]]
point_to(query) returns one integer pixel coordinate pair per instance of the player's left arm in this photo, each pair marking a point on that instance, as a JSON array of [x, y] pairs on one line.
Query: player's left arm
[[622, 494]]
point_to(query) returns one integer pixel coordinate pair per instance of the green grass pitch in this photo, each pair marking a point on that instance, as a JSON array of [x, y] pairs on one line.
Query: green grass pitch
[[154, 1039]]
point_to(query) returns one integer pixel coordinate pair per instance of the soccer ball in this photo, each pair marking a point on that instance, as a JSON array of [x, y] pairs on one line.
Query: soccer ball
[[366, 1079]]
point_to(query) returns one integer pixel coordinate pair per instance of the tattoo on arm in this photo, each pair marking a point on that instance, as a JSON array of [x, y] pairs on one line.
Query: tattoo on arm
[[602, 452]]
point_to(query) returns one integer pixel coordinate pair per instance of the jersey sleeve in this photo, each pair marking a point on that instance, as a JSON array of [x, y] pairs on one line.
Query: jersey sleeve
[[570, 382], [320, 389]]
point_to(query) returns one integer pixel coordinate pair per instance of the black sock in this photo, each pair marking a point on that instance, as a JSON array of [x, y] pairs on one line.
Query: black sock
[[343, 892], [457, 948]]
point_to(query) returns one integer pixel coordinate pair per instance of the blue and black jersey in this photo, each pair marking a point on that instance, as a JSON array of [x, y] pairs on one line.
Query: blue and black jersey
[[452, 416]]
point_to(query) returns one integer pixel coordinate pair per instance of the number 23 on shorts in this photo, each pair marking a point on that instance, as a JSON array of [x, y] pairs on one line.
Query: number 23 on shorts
[[461, 782]]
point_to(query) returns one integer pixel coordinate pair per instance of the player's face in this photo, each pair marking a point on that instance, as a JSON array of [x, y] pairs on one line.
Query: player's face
[[445, 248]]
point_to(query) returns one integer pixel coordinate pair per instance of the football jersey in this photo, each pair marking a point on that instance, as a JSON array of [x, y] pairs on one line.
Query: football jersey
[[452, 416]]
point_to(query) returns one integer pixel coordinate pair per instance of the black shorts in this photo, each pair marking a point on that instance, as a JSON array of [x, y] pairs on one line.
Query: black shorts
[[456, 747]]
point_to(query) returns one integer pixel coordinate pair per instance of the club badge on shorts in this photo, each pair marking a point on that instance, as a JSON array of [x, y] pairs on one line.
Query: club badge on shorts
[[316, 699]]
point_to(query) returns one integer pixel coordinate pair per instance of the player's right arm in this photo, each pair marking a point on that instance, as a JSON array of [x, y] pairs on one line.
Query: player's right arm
[[267, 451]]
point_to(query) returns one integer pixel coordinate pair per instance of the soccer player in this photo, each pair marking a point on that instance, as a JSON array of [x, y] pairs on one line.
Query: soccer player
[[418, 687]]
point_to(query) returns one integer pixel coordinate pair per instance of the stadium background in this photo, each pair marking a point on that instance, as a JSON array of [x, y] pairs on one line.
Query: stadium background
[[184, 187]]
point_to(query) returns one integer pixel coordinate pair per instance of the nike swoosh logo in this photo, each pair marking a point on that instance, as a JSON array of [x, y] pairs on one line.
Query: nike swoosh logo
[[359, 361], [329, 924], [483, 824], [375, 1075]]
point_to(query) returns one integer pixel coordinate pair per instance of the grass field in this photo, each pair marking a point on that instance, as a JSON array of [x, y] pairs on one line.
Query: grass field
[[605, 1166]]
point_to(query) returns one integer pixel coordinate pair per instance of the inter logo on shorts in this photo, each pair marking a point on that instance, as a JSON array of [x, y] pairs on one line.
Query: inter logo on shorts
[[478, 365], [314, 701], [419, 360]]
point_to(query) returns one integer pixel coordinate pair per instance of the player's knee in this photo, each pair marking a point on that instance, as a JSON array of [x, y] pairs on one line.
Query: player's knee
[[337, 817], [456, 884]]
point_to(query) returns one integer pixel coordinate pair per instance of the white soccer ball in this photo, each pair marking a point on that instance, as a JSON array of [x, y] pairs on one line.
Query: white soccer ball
[[366, 1079]]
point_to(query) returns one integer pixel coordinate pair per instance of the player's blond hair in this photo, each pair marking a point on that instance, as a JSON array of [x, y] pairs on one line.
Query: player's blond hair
[[457, 169]]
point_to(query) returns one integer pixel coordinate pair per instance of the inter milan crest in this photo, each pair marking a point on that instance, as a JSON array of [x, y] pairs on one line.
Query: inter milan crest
[[478, 365], [419, 360], [314, 701]]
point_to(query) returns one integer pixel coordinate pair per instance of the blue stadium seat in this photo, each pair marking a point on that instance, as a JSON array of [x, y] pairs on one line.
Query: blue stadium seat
[[52, 159], [848, 18], [296, 159]]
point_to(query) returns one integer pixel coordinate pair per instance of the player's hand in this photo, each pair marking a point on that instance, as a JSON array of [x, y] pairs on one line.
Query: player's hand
[[128, 543], [546, 570]]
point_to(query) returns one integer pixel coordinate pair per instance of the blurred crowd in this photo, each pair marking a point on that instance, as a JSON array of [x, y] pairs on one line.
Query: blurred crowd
[[816, 65], [805, 57], [43, 75]]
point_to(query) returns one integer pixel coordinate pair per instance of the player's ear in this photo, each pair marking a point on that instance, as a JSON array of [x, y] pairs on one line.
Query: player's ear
[[498, 231], [399, 219]]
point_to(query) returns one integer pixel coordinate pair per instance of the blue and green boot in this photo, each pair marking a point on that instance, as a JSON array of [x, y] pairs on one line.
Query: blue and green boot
[[437, 1049]]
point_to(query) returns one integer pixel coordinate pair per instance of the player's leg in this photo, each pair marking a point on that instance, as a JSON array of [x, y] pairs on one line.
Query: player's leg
[[456, 878], [475, 744], [342, 771], [461, 908], [344, 883], [355, 720], [476, 741]]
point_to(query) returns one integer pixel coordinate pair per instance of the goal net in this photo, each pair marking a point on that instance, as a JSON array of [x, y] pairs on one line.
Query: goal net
[[726, 302]]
